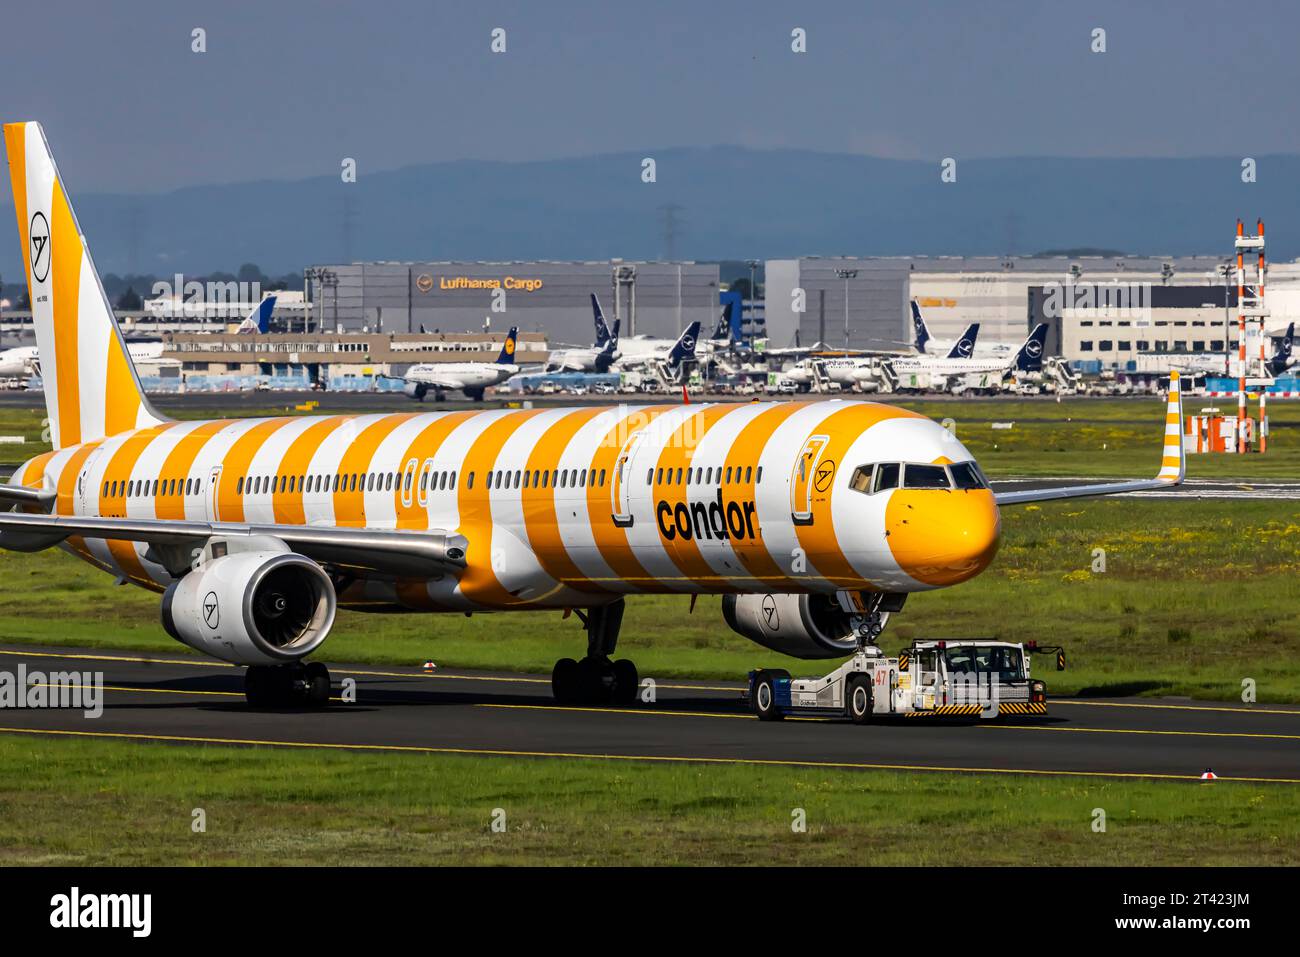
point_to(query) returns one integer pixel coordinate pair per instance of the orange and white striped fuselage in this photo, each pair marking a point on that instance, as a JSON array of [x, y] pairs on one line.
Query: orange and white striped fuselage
[[561, 507]]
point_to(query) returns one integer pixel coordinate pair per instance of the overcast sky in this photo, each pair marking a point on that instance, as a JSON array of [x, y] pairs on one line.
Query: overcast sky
[[286, 89]]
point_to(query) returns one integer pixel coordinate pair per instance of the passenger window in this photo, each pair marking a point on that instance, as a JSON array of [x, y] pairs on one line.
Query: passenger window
[[602, 478], [925, 476], [861, 481], [886, 476]]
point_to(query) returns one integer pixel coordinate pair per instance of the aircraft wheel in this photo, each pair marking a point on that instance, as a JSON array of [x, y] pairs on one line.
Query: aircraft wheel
[[626, 682], [566, 681], [764, 697], [858, 699]]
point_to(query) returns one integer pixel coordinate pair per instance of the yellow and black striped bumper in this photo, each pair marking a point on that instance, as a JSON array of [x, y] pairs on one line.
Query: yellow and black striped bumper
[[974, 710]]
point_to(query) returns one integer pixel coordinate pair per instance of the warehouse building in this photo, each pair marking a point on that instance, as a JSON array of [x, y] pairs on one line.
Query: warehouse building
[[1006, 296], [651, 298], [837, 303]]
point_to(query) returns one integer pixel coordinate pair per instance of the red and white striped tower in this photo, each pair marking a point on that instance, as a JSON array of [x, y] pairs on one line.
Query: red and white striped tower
[[1263, 359], [1241, 338]]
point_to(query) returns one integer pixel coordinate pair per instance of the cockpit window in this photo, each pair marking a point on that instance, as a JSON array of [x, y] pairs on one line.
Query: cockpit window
[[925, 476], [965, 475], [884, 476], [887, 475]]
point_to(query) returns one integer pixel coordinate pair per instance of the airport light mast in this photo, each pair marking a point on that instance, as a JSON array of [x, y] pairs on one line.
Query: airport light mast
[[846, 275]]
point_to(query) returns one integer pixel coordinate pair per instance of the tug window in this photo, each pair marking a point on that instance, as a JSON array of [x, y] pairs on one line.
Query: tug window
[[887, 476], [925, 476]]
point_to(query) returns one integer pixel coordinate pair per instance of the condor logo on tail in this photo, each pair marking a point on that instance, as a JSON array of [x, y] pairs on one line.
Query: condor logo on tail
[[716, 520]]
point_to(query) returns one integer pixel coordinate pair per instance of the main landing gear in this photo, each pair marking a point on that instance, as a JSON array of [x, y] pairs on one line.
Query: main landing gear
[[596, 679], [295, 685]]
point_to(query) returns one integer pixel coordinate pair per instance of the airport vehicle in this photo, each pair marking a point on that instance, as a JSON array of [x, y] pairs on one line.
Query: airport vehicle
[[602, 354], [254, 531], [966, 678], [471, 378]]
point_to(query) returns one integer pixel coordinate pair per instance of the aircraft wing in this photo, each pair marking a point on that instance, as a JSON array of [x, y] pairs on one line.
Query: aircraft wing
[[392, 551], [1173, 465]]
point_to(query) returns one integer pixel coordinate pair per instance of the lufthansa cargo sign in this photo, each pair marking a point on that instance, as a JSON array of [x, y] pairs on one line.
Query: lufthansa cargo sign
[[424, 282]]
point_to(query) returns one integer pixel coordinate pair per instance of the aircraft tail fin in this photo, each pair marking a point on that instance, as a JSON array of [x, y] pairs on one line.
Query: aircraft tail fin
[[723, 329], [91, 388], [611, 341], [684, 348], [1281, 358], [507, 356], [602, 327], [259, 320], [922, 334], [1029, 358], [964, 347]]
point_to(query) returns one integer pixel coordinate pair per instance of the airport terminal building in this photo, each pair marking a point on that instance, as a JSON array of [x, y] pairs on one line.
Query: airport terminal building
[[653, 298], [1181, 301]]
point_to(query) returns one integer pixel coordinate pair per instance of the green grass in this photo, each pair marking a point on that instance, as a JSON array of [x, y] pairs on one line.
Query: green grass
[[78, 802]]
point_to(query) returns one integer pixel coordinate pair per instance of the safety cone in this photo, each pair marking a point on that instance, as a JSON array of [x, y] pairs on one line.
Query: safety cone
[[1209, 775]]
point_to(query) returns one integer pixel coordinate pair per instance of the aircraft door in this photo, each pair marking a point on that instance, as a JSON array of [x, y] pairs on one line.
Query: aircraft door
[[811, 475]]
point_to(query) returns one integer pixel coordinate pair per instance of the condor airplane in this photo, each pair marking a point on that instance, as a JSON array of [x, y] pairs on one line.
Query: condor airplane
[[813, 520]]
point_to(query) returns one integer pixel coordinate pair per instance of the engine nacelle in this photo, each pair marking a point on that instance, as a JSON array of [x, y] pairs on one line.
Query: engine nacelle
[[802, 626], [252, 607], [416, 390]]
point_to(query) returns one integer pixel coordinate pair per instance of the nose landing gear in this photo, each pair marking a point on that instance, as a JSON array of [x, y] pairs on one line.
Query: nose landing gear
[[597, 679]]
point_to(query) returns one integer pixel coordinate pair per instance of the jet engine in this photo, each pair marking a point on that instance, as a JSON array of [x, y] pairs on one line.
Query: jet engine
[[416, 390], [257, 607], [802, 626]]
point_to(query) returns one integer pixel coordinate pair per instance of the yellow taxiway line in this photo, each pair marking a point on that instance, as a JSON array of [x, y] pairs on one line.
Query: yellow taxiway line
[[671, 759], [652, 712], [519, 679]]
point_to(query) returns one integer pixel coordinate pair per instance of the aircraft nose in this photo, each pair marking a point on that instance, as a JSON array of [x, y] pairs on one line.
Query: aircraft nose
[[942, 538]]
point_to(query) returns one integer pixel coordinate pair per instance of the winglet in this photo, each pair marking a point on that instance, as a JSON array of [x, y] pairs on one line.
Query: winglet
[[1173, 464]]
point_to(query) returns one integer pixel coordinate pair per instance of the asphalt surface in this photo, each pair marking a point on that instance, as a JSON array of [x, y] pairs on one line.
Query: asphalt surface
[[1195, 488], [173, 698]]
